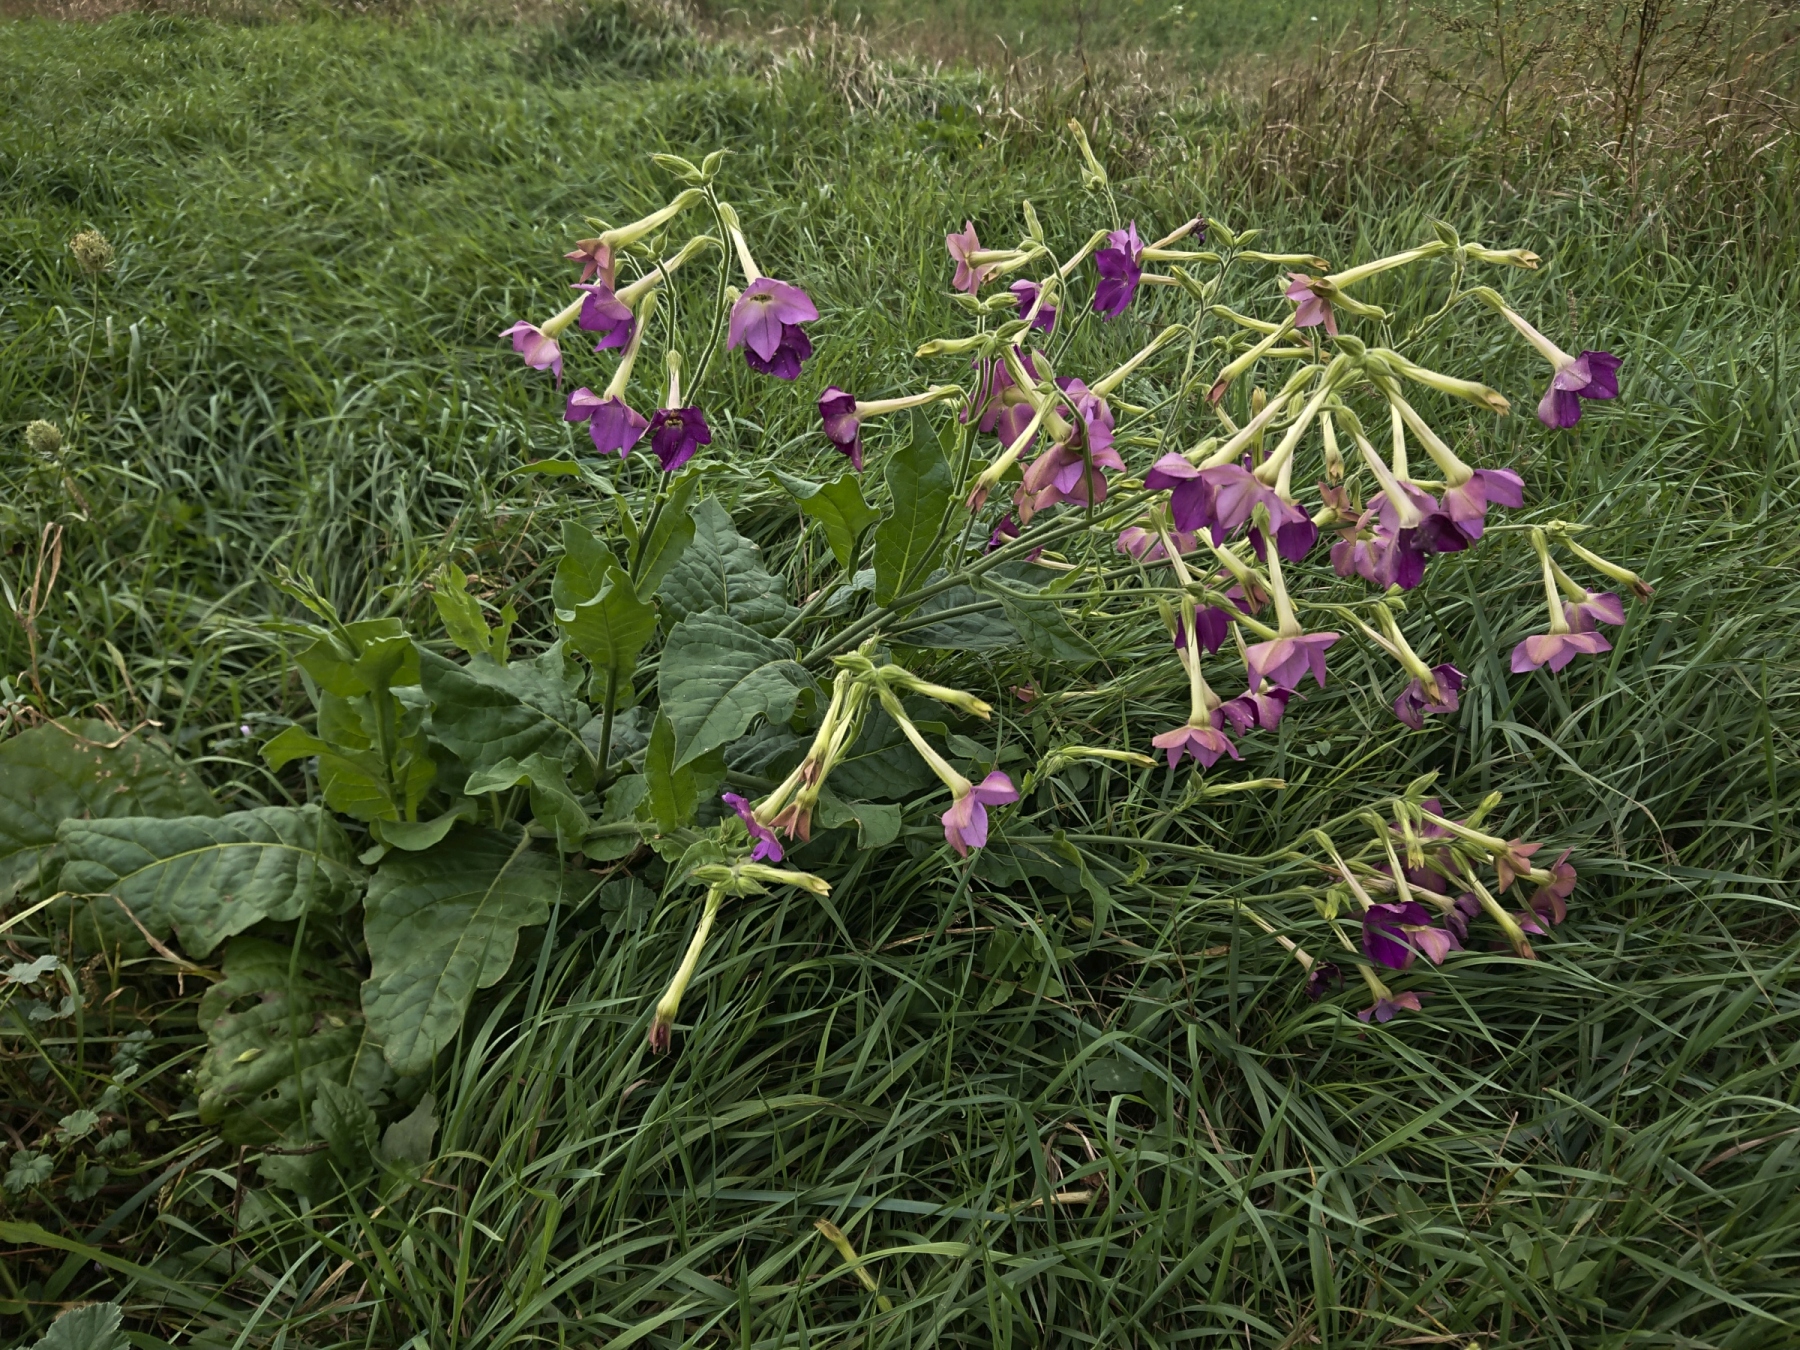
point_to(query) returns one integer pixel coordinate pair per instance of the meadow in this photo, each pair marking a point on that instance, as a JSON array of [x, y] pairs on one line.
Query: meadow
[[1081, 1102]]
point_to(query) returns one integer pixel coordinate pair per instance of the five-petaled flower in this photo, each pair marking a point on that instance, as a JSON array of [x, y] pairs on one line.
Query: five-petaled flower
[[613, 424], [1388, 1006], [965, 823], [604, 313], [1313, 308], [1206, 743], [837, 410], [1120, 271], [766, 321], [1027, 291], [539, 348], [768, 847], [969, 276], [1395, 934], [676, 433], [1415, 701]]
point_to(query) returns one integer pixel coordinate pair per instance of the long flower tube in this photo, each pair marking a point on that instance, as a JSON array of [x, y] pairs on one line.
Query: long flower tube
[[1559, 644], [669, 1005], [1233, 448], [1236, 369], [1509, 926], [1270, 468], [1115, 377], [627, 235], [1611, 570]]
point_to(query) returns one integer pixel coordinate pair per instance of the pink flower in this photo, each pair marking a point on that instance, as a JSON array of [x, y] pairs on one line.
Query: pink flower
[[1236, 494], [838, 412], [1555, 650], [968, 276], [540, 352], [1385, 1009], [1590, 375], [965, 823], [1597, 609], [1314, 309], [1254, 709], [1414, 702], [766, 321], [1467, 505], [1284, 661], [595, 259], [1192, 504], [1027, 291], [1206, 744], [1145, 546], [612, 423], [1549, 901]]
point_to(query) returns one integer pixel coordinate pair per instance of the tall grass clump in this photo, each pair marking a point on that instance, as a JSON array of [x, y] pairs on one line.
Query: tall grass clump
[[1069, 1092]]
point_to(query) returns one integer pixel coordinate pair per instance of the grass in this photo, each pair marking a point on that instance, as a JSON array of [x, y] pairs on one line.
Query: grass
[[323, 223]]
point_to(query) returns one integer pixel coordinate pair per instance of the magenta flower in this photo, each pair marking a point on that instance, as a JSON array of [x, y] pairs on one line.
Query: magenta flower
[[612, 423], [838, 411], [1414, 702], [1284, 661], [1061, 474], [1313, 308], [1254, 709], [1590, 375], [968, 275], [676, 433], [604, 313], [1206, 744], [1597, 609], [965, 823], [1555, 650], [1236, 494], [1386, 1009], [768, 847], [1004, 532], [595, 258], [1320, 979], [540, 352], [1467, 505], [1394, 934], [766, 321], [1191, 495], [1120, 271], [995, 414], [1027, 291]]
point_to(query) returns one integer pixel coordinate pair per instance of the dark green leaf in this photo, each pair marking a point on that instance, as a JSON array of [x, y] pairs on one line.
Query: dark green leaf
[[988, 630], [440, 925], [723, 571], [1042, 627], [598, 608], [82, 769], [876, 825], [206, 877], [463, 617], [918, 479], [344, 1121], [94, 1327], [486, 713], [670, 536], [839, 508], [717, 676], [408, 1140], [553, 804]]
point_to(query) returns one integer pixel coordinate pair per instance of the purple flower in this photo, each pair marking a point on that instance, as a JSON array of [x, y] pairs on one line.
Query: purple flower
[[1467, 505], [675, 433], [1027, 291], [1320, 979], [1590, 375], [766, 321], [1313, 308], [1254, 709], [965, 823], [768, 847], [1414, 702], [1385, 1009], [968, 276], [1146, 546], [1598, 608], [604, 313], [1119, 272], [1236, 493], [1006, 530], [1283, 661], [540, 352], [1206, 744], [995, 414], [595, 258], [838, 411], [612, 423], [1061, 474], [1191, 495], [1555, 650]]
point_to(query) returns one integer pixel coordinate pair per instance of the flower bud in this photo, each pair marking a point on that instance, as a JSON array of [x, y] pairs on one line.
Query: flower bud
[[1512, 257]]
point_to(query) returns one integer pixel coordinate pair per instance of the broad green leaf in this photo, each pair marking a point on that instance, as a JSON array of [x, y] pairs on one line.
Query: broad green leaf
[[344, 1121], [1042, 627], [839, 508], [417, 835], [598, 608], [616, 834], [81, 769], [553, 805], [723, 571], [440, 925], [204, 877], [674, 792], [717, 676], [876, 825], [408, 1140], [670, 535], [271, 1040], [93, 1327], [918, 479], [881, 765], [485, 713], [463, 619], [986, 630]]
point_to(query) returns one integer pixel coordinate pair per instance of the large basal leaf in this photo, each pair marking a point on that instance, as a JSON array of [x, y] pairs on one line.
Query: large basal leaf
[[82, 770], [881, 764], [918, 479], [486, 713], [839, 508], [598, 609], [983, 631], [206, 878], [717, 676], [722, 570], [674, 792], [440, 925], [272, 1039]]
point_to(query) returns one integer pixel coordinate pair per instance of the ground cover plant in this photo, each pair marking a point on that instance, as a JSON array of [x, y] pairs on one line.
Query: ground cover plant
[[300, 568]]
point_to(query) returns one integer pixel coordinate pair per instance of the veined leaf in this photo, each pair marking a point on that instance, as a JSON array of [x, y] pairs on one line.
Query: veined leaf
[[553, 805], [723, 571], [271, 1040], [206, 878], [486, 713], [82, 769], [1042, 627], [918, 479], [440, 925], [839, 508], [670, 536], [675, 792], [597, 607], [717, 676], [463, 619]]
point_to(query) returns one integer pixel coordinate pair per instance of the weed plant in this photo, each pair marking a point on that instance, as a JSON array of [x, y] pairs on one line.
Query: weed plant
[[1036, 1122]]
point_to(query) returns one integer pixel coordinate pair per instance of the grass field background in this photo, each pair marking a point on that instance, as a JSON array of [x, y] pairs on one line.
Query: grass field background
[[323, 221]]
